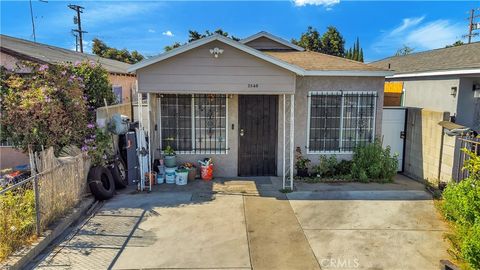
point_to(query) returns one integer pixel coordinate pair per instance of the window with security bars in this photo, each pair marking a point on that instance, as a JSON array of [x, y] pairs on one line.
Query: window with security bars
[[339, 121], [194, 123]]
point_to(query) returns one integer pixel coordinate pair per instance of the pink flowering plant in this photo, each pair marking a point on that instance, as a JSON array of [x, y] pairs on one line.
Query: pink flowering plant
[[42, 108]]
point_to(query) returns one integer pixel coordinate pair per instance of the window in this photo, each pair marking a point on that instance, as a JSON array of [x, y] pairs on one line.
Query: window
[[194, 123], [339, 121], [117, 90]]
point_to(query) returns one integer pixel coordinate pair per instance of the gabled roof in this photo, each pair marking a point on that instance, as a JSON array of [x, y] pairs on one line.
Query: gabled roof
[[461, 59], [272, 37], [300, 63], [54, 55], [221, 38]]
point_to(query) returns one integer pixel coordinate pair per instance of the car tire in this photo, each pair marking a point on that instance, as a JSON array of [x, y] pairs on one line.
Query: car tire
[[101, 183], [119, 173]]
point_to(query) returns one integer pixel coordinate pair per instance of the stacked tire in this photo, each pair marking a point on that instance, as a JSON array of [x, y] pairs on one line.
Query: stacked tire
[[104, 180]]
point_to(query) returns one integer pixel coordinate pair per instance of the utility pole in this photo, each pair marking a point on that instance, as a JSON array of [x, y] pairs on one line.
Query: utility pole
[[472, 25], [77, 20], [76, 40]]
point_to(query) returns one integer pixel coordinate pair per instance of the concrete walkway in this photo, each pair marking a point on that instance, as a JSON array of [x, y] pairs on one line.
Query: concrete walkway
[[242, 224]]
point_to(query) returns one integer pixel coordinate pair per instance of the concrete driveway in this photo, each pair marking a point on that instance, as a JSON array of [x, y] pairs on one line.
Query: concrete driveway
[[249, 224]]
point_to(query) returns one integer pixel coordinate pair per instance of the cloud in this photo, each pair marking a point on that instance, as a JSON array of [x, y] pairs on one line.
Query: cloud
[[407, 23], [419, 34], [326, 3], [151, 31], [168, 33]]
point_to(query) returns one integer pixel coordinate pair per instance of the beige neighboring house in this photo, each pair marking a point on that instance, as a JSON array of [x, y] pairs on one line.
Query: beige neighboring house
[[14, 50], [248, 104]]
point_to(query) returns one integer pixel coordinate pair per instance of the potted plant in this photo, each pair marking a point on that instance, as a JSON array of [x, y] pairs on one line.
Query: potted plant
[[301, 164], [170, 158]]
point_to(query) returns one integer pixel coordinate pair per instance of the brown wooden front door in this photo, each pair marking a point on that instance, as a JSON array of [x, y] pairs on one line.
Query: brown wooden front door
[[258, 118]]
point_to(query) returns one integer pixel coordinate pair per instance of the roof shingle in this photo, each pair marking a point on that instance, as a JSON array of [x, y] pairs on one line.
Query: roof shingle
[[56, 55], [309, 60], [453, 58]]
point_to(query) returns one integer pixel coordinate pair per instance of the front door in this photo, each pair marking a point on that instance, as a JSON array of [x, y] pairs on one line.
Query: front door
[[258, 118]]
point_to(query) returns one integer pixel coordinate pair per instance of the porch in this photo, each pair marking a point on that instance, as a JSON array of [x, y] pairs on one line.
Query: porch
[[245, 135]]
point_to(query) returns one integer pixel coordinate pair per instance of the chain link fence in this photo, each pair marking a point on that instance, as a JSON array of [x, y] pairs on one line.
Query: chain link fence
[[28, 207]]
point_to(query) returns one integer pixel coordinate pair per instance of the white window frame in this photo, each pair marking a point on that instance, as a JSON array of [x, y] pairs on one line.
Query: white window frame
[[342, 93], [193, 152]]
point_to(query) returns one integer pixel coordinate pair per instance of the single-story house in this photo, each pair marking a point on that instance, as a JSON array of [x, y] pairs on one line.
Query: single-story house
[[14, 50], [248, 104], [444, 80]]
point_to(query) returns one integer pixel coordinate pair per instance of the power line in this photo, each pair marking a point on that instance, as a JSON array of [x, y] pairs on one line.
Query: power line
[[77, 20]]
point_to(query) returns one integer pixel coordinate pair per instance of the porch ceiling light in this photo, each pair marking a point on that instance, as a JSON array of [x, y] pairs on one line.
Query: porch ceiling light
[[216, 52]]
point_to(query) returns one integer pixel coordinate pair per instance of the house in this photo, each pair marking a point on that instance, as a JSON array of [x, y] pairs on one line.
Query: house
[[438, 87], [14, 50], [249, 104], [442, 80]]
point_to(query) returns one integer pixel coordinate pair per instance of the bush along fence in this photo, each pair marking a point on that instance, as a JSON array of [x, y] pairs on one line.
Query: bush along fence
[[468, 143], [461, 207], [29, 206]]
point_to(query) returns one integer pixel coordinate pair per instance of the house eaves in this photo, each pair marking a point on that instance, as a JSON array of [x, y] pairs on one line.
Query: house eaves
[[468, 71]]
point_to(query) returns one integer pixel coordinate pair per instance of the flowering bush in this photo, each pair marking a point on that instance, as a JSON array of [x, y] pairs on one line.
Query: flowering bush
[[96, 84], [43, 108], [98, 145]]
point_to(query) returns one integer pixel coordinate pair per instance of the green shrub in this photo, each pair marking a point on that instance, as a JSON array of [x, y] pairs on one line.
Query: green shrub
[[371, 162], [461, 205], [327, 167], [17, 220]]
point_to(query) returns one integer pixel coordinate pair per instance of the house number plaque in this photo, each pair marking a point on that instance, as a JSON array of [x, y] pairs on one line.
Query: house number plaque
[[253, 85]]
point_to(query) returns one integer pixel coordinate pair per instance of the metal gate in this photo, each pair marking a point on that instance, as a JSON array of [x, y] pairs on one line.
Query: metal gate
[[393, 131]]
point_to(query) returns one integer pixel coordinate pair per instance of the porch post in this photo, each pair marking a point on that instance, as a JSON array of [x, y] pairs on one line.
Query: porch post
[[149, 143], [284, 169], [292, 141], [140, 127]]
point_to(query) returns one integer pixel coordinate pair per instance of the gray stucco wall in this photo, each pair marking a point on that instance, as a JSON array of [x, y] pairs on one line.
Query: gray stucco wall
[[226, 165], [431, 93], [306, 84], [467, 105]]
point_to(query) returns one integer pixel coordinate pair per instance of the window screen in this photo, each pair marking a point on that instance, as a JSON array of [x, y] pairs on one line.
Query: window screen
[[339, 121]]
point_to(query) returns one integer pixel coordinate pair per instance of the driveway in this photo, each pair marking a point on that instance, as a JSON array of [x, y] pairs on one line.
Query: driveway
[[242, 224]]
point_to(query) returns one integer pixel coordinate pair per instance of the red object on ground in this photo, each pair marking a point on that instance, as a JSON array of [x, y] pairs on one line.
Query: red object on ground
[[206, 172]]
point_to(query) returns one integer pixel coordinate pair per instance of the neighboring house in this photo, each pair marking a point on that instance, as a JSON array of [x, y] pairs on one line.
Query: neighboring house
[[440, 80], [439, 87], [216, 97], [14, 50]]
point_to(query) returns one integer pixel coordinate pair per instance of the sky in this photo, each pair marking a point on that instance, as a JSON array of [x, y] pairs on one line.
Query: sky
[[146, 26]]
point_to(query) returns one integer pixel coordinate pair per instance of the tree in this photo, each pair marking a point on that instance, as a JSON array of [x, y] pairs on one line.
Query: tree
[[333, 42], [100, 48], [355, 53], [455, 44], [404, 50], [195, 35], [310, 40]]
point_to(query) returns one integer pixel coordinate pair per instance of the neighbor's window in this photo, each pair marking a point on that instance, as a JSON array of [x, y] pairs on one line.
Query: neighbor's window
[[194, 123], [339, 121], [117, 90]]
